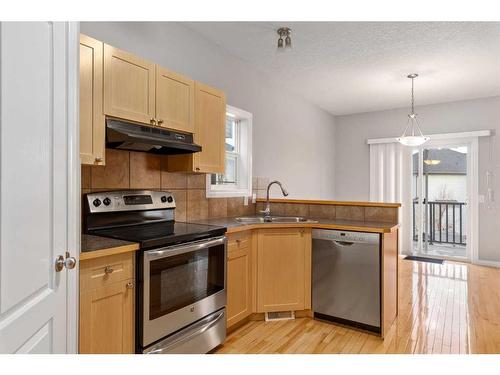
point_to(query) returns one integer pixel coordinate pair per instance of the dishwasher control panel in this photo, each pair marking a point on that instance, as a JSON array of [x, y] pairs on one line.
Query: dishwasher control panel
[[345, 236]]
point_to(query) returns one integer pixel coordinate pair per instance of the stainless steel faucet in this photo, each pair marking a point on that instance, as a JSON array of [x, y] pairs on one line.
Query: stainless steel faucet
[[267, 210]]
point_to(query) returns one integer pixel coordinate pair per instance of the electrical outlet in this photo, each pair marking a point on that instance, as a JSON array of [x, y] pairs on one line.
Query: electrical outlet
[[254, 198], [245, 200]]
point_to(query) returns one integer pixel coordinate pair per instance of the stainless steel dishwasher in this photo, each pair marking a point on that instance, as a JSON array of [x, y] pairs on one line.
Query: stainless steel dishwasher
[[346, 278]]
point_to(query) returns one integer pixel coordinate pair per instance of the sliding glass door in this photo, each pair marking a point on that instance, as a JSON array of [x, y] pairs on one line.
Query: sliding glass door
[[440, 192]]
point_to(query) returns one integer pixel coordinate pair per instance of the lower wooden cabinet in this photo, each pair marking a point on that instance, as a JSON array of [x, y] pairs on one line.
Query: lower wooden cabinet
[[283, 269], [107, 297], [239, 280]]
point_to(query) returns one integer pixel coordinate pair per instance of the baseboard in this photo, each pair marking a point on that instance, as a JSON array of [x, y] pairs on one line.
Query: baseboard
[[487, 263], [235, 326]]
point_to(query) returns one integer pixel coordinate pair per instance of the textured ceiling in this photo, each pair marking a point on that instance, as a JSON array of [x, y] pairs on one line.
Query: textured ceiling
[[352, 67]]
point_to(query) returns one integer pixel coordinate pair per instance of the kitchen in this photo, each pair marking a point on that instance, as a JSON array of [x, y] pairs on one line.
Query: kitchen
[[255, 243], [216, 215]]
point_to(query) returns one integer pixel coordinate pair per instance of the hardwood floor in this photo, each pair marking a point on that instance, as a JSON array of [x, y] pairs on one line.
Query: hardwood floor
[[450, 308]]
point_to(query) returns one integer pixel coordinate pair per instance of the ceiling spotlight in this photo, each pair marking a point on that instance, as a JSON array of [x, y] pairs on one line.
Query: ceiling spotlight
[[280, 42], [284, 33]]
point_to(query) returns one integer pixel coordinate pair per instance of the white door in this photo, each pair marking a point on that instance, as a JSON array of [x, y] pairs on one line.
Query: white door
[[39, 180]]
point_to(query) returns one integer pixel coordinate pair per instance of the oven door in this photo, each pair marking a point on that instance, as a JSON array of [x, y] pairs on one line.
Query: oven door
[[182, 284]]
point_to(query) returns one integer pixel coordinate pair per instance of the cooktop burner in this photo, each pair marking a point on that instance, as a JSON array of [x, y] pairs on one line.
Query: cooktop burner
[[161, 234]]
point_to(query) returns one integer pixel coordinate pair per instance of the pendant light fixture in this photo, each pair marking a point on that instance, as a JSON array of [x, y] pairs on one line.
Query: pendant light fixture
[[412, 135], [432, 161]]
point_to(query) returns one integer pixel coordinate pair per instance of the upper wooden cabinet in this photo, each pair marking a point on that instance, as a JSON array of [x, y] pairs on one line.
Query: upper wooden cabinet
[[283, 269], [92, 127], [119, 84], [174, 100], [138, 90], [210, 126], [209, 133], [129, 86]]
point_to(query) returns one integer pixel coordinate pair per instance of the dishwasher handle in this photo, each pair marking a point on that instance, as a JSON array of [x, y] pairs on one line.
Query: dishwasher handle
[[343, 243]]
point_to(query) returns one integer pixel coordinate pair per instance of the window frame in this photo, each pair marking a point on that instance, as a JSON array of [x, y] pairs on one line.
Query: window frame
[[243, 155]]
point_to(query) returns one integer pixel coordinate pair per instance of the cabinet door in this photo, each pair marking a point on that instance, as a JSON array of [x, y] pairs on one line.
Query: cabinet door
[[174, 100], [129, 86], [209, 133], [92, 126], [210, 125], [283, 269], [239, 297], [107, 319]]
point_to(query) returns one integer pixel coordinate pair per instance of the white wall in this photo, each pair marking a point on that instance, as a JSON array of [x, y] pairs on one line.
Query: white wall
[[352, 153], [293, 139]]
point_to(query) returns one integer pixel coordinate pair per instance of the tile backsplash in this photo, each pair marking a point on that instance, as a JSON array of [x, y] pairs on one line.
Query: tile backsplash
[[138, 170]]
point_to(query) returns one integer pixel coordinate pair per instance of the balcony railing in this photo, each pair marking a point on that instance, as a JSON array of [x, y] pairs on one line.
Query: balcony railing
[[446, 222]]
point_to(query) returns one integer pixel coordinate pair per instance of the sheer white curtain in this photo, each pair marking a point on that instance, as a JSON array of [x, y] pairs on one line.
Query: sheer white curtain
[[390, 181]]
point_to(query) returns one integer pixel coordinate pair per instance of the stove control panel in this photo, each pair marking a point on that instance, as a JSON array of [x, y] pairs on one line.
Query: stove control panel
[[129, 200]]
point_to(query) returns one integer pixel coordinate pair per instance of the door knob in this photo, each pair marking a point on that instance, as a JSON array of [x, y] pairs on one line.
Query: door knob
[[68, 262]]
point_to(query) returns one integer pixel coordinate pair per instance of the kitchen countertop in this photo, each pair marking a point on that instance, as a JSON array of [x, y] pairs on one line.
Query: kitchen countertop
[[361, 226], [96, 246]]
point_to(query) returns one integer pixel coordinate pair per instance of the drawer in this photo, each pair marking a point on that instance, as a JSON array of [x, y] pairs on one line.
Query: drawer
[[238, 241], [100, 272]]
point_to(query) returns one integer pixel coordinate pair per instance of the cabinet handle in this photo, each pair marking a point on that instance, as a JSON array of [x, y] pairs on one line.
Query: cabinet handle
[[98, 159], [152, 121], [197, 168], [130, 285], [160, 121], [108, 270]]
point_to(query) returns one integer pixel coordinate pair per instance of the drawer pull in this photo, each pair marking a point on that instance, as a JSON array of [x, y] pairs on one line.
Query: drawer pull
[[108, 270], [130, 285]]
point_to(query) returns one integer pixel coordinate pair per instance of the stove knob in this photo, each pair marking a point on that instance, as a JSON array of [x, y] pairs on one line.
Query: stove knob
[[170, 199], [96, 202], [106, 201], [164, 199]]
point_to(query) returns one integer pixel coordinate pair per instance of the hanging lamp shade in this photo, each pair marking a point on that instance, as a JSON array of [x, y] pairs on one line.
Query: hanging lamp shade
[[412, 135]]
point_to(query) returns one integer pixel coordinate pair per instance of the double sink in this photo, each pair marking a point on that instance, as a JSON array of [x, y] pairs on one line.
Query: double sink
[[274, 220]]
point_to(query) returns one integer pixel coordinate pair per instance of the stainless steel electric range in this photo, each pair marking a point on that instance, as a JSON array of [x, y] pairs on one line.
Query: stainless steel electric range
[[181, 269]]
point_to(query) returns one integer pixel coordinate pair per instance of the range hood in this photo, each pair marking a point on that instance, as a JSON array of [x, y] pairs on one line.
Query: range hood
[[123, 135]]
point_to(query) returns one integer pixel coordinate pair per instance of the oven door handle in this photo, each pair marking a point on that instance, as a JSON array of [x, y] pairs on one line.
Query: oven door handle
[[197, 329], [181, 249]]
